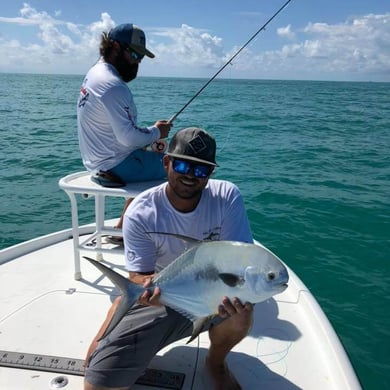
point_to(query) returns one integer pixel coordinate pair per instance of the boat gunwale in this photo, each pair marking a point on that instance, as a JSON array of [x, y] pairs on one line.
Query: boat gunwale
[[13, 252]]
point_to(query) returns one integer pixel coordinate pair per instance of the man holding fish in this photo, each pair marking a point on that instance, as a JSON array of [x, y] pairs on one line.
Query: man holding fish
[[192, 205]]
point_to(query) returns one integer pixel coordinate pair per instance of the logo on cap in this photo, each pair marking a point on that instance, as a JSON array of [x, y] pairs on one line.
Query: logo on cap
[[197, 145]]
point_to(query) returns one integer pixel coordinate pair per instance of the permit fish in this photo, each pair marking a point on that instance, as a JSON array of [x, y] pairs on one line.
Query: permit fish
[[195, 283]]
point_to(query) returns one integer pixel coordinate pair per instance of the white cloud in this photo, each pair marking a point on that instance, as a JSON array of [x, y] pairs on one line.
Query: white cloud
[[361, 44], [61, 47], [32, 16], [356, 49], [187, 45], [285, 32]]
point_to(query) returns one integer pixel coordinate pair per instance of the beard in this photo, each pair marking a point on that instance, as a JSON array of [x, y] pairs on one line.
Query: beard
[[127, 71], [185, 187]]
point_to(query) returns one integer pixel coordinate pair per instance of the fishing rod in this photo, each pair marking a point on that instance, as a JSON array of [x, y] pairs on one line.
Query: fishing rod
[[230, 60]]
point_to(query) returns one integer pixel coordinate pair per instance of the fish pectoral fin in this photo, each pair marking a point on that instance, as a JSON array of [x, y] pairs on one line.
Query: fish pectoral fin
[[232, 280], [199, 325]]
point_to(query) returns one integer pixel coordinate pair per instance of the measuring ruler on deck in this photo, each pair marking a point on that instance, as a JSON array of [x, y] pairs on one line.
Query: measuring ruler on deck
[[63, 365], [30, 361]]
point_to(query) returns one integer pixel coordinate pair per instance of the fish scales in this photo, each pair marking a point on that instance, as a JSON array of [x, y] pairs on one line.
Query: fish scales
[[195, 283]]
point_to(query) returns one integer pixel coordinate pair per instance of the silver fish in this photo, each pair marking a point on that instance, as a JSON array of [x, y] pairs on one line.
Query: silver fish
[[196, 282]]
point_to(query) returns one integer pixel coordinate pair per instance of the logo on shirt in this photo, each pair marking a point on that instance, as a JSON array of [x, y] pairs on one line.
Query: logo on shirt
[[130, 255], [84, 94], [212, 235], [129, 116]]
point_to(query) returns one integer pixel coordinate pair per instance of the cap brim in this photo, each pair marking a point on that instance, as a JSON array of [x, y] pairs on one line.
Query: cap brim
[[142, 50], [185, 157]]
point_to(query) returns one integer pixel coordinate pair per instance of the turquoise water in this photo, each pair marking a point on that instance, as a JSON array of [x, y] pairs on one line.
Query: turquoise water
[[312, 160]]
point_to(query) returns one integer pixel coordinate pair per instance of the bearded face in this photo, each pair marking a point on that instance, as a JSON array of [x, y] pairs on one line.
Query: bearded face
[[126, 68]]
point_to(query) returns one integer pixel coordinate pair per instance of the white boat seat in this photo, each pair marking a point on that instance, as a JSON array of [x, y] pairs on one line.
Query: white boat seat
[[83, 184], [107, 179]]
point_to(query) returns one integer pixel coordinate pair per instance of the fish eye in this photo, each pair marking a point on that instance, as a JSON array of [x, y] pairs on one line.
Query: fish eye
[[271, 275]]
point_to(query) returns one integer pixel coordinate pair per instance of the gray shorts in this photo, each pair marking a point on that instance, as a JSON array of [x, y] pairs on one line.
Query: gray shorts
[[122, 357]]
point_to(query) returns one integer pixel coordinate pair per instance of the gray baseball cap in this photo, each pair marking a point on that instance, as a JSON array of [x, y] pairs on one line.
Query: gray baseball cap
[[193, 144], [131, 35]]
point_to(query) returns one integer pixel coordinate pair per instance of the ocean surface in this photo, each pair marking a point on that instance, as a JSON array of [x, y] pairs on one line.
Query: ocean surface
[[312, 160]]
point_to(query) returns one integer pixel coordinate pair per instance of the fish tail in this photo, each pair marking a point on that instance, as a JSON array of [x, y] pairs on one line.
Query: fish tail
[[130, 293]]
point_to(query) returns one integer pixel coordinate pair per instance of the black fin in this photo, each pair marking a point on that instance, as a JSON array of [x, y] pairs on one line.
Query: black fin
[[200, 325], [232, 280]]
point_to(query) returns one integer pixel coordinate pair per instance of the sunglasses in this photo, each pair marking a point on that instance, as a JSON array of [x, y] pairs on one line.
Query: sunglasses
[[184, 167], [133, 54]]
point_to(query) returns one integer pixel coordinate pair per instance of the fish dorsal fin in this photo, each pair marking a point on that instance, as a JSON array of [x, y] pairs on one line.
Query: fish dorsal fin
[[232, 280], [189, 241]]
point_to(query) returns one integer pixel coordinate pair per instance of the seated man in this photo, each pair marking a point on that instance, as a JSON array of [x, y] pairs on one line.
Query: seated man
[[110, 139], [189, 204], [112, 144]]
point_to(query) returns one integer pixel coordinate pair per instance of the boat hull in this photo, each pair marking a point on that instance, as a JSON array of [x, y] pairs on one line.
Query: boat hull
[[46, 314]]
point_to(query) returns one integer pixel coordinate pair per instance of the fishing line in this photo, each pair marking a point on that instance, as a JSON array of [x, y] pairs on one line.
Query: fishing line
[[230, 60]]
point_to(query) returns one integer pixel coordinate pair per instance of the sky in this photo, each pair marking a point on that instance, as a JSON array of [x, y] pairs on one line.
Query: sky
[[340, 40]]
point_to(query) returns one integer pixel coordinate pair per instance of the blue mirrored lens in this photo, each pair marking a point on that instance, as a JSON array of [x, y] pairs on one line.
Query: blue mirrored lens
[[201, 171], [181, 166], [184, 167], [136, 56]]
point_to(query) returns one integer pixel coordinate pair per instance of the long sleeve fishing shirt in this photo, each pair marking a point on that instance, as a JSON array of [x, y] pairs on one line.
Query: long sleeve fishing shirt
[[107, 120]]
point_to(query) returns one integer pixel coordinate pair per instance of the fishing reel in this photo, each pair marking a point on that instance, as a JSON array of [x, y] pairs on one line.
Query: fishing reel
[[159, 146]]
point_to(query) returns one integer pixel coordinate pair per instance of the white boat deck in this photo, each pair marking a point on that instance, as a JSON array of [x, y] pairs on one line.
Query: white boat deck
[[45, 314]]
